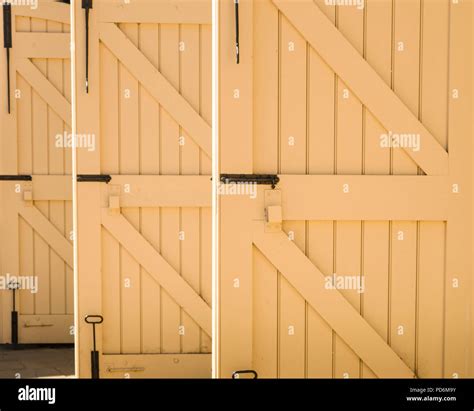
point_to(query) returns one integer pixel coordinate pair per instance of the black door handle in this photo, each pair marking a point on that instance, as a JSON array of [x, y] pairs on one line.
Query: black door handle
[[236, 374], [94, 320]]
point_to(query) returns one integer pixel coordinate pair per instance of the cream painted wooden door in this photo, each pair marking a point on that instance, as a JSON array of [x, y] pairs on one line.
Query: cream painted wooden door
[[36, 197], [358, 263], [144, 238]]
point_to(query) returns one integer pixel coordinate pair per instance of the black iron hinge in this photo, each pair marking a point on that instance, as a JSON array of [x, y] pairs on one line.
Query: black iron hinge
[[261, 179], [7, 43], [15, 178], [94, 178], [237, 31], [87, 6]]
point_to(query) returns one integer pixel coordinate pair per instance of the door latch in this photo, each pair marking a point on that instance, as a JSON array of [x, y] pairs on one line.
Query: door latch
[[7, 43], [237, 31], [87, 6], [236, 374], [261, 179], [94, 178]]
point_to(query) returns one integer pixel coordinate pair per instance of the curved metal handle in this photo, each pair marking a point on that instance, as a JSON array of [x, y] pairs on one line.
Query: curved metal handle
[[236, 374], [89, 319]]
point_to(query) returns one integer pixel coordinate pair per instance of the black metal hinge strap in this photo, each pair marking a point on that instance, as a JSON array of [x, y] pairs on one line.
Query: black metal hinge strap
[[87, 6], [94, 178], [262, 179], [7, 43], [237, 31], [15, 178]]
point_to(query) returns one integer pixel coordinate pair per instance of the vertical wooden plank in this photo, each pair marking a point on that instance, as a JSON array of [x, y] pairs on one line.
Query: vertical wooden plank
[[109, 112], [24, 112], [189, 88], [376, 235], [26, 265], [41, 166], [88, 230], [66, 63], [149, 109], [320, 116], [406, 69], [293, 50], [265, 316], [42, 271], [375, 275], [403, 253], [266, 87], [110, 163], [129, 164], [265, 160], [236, 89], [234, 320], [56, 158], [206, 169], [403, 290], [170, 164], [40, 112], [430, 319], [170, 310], [190, 156], [378, 52], [69, 270], [150, 291], [319, 333], [292, 307], [58, 266], [321, 160], [350, 22], [459, 337], [205, 98], [206, 269], [150, 217], [112, 296], [190, 227], [25, 132], [25, 166], [434, 115], [348, 264]]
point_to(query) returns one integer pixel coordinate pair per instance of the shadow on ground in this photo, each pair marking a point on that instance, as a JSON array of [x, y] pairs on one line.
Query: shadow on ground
[[29, 361]]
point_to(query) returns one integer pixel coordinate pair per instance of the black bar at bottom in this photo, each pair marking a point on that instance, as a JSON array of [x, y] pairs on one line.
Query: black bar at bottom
[[15, 327], [95, 365]]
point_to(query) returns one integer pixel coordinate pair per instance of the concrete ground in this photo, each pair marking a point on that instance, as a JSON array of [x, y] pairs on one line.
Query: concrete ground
[[36, 362]]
